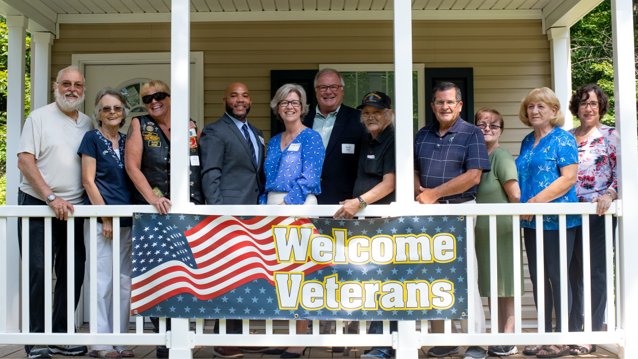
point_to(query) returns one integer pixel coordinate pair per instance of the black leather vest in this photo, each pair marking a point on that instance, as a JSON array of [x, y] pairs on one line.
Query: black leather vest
[[156, 161]]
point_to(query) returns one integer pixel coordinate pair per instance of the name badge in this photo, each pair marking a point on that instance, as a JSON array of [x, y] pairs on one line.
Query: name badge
[[261, 139], [347, 148], [194, 160], [294, 147], [371, 157]]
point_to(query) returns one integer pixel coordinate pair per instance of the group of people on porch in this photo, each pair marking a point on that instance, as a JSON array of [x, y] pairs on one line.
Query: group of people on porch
[[332, 154]]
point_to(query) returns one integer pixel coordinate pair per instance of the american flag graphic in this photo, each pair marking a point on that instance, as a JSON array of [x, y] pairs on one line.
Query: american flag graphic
[[217, 255]]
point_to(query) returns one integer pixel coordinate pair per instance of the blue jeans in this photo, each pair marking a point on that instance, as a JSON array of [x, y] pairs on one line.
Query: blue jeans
[[598, 275], [551, 253]]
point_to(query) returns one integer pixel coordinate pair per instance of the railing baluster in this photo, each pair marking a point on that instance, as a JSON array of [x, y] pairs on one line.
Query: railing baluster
[[3, 275], [70, 277], [139, 325], [48, 259], [447, 325], [362, 327], [292, 327], [424, 327], [245, 326], [26, 308], [116, 250], [315, 327], [616, 275], [518, 312], [222, 326], [493, 276], [386, 327], [540, 275], [93, 275], [586, 274], [199, 326], [564, 271], [471, 274], [269, 327], [609, 254], [162, 325]]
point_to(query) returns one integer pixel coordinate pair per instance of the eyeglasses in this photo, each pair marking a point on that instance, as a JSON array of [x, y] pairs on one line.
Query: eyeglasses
[[67, 84], [158, 96], [108, 109], [449, 103], [376, 115], [593, 104], [324, 88], [294, 103], [483, 126]]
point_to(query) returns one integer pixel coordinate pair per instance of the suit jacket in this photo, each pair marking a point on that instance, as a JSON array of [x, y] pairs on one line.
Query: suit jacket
[[229, 175], [340, 169]]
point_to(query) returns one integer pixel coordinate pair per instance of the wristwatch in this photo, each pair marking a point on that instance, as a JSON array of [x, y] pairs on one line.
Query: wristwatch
[[51, 198], [362, 203], [610, 194]]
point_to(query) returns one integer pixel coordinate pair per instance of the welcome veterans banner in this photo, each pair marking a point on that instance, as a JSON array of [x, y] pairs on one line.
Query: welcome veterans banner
[[405, 268]]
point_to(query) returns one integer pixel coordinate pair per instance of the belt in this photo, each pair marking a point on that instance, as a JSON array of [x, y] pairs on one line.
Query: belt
[[457, 200]]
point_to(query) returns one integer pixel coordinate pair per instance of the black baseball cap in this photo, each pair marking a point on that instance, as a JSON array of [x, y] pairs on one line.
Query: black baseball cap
[[376, 99]]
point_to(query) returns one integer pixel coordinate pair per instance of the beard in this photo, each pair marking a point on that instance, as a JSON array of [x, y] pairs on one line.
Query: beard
[[230, 111], [67, 104]]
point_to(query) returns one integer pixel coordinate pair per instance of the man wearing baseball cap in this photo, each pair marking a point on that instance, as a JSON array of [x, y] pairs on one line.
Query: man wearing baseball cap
[[375, 178]]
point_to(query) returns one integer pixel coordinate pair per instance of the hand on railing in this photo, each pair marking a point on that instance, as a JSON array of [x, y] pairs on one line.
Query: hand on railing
[[604, 202], [427, 196], [162, 204], [61, 208], [348, 210]]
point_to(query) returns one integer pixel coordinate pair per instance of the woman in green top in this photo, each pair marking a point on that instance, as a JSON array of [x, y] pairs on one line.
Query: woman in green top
[[500, 185]]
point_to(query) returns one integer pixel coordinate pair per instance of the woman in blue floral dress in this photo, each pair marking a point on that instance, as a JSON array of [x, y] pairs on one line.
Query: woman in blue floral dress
[[547, 168]]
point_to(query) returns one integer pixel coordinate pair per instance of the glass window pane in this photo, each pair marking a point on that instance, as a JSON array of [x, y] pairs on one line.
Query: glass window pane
[[132, 94]]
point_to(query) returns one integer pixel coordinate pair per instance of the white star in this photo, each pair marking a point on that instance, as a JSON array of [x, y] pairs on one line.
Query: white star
[[394, 230], [401, 219], [356, 223], [415, 219]]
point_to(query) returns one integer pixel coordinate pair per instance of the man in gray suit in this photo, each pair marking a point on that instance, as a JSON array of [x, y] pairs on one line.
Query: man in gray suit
[[232, 159], [232, 153]]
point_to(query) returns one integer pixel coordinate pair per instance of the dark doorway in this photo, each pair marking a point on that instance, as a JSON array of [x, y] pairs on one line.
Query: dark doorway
[[462, 77], [305, 78]]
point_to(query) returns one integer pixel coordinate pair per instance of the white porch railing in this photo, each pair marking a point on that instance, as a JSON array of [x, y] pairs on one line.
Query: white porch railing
[[406, 340]]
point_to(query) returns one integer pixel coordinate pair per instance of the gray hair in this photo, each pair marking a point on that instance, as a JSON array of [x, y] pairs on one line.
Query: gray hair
[[444, 86], [69, 68], [329, 71], [281, 95], [98, 104]]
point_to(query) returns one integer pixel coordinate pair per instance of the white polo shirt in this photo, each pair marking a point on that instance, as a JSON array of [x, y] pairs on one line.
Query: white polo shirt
[[54, 138]]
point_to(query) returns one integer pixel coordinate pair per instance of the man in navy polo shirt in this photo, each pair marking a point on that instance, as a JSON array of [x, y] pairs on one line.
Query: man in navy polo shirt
[[449, 158]]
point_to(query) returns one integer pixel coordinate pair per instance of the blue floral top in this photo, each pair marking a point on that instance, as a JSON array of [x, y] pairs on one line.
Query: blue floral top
[[295, 170], [540, 166]]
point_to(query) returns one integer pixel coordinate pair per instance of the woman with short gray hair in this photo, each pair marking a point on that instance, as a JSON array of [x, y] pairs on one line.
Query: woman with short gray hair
[[106, 182]]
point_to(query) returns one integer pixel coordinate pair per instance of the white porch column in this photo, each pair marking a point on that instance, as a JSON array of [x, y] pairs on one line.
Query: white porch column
[[625, 96], [41, 68], [406, 338], [561, 69], [181, 343], [16, 26]]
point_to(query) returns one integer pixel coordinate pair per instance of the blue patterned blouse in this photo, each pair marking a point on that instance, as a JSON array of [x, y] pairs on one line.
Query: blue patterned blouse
[[295, 170], [540, 166]]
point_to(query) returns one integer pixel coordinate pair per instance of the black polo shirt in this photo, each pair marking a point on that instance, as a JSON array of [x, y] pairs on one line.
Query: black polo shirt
[[375, 160]]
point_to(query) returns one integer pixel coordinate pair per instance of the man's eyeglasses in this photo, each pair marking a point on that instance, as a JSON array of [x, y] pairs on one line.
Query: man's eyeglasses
[[593, 104], [116, 109], [158, 96], [449, 103], [67, 84], [324, 88], [376, 115], [294, 103], [483, 126]]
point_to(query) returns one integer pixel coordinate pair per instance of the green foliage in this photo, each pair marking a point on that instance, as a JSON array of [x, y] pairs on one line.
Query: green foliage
[[592, 53]]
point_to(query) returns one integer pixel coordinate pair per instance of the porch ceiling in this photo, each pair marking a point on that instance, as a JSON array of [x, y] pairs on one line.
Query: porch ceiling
[[46, 15]]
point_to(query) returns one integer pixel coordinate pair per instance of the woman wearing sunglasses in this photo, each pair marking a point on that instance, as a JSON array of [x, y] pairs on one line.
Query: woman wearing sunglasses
[[148, 157]]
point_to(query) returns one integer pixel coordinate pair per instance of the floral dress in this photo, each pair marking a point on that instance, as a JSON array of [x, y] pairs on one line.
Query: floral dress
[[597, 163]]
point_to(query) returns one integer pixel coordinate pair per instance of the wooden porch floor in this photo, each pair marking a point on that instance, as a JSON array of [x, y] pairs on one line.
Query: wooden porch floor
[[17, 351]]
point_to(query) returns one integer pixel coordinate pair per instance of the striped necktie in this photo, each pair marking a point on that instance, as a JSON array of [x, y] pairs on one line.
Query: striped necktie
[[250, 143]]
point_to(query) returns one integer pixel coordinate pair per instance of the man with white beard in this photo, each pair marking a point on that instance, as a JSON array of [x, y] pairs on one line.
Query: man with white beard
[[52, 170]]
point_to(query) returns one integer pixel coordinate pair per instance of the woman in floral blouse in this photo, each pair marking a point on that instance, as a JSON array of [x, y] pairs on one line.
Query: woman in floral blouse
[[597, 183], [547, 167]]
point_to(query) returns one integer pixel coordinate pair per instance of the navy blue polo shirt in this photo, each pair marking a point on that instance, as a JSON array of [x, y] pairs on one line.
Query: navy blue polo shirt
[[111, 178], [442, 158]]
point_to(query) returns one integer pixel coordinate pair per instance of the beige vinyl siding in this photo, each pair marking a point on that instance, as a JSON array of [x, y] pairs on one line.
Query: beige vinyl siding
[[509, 59]]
